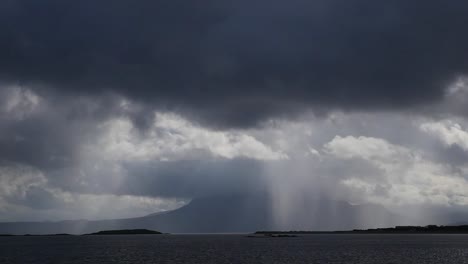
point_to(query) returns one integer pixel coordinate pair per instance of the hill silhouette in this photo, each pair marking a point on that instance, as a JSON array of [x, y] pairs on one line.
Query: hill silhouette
[[126, 232], [224, 214]]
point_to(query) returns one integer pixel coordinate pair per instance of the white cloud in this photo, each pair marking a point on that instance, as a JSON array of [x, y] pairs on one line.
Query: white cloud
[[18, 102], [447, 131], [15, 180], [171, 137], [368, 148], [405, 175]]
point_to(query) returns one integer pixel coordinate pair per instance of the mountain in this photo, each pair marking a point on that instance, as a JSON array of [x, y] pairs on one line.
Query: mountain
[[226, 214]]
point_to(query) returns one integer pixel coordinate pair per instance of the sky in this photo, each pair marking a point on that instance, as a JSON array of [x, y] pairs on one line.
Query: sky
[[112, 109]]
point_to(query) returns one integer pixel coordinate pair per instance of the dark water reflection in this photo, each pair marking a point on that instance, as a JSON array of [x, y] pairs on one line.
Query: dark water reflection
[[236, 249]]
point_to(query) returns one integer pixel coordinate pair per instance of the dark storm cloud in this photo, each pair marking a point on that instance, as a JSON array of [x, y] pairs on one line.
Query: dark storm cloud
[[37, 143], [238, 62]]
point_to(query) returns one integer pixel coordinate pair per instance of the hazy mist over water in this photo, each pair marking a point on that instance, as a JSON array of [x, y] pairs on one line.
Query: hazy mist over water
[[364, 249]]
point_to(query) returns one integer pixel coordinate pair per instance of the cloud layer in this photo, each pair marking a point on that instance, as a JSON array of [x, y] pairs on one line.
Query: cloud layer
[[58, 155], [234, 64]]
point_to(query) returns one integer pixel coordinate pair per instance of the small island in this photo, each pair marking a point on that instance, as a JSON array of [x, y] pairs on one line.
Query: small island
[[430, 229], [127, 232], [270, 235]]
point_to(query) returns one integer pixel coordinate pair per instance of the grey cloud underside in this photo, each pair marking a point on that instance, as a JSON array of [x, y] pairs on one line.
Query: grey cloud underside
[[248, 60], [48, 138], [194, 178], [181, 179]]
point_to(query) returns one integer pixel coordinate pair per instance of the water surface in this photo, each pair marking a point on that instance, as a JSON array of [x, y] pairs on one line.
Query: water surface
[[141, 249]]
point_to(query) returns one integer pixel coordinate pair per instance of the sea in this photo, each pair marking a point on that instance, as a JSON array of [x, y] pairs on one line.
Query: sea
[[235, 248]]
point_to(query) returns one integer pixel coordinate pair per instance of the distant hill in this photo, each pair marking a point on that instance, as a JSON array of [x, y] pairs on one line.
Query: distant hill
[[126, 232], [430, 229], [225, 214]]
